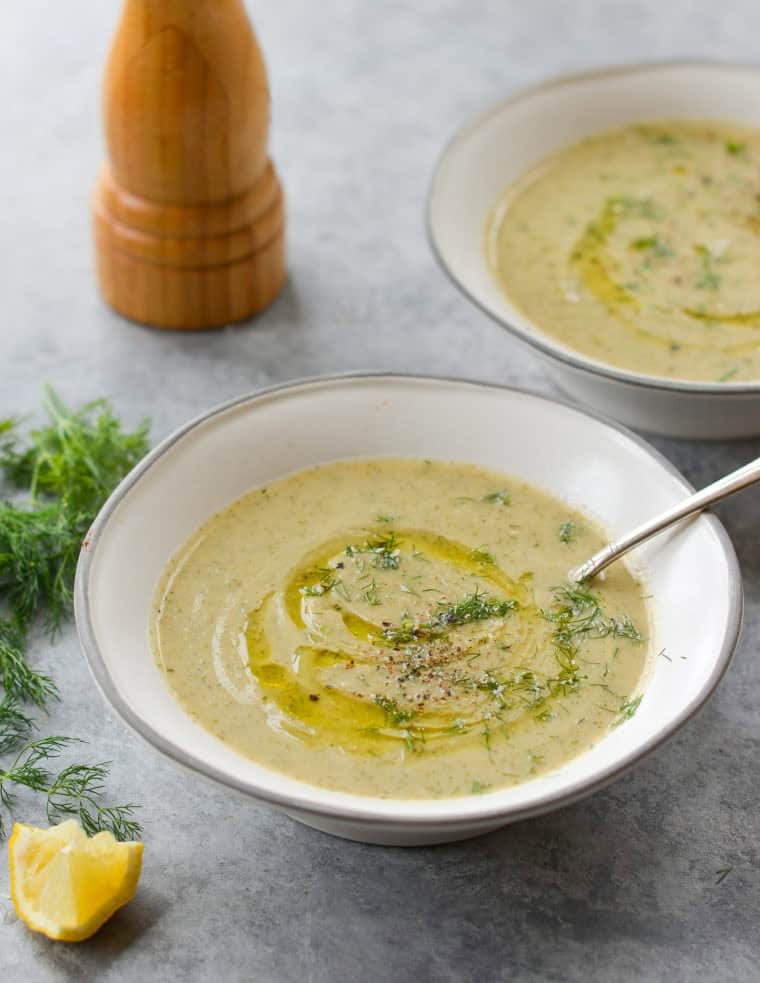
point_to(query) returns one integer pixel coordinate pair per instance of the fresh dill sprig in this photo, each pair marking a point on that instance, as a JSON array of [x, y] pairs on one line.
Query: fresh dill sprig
[[15, 725], [28, 770], [17, 677], [77, 791], [69, 467], [567, 531]]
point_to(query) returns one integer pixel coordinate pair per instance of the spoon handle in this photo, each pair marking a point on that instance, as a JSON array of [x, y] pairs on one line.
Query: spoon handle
[[700, 500]]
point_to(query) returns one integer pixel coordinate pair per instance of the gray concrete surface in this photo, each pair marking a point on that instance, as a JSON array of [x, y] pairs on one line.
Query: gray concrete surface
[[620, 887]]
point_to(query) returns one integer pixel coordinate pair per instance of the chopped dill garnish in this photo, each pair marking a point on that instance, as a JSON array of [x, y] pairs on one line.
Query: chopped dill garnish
[[734, 147], [477, 606], [394, 714], [482, 555], [653, 246], [385, 551], [628, 710], [577, 612], [329, 582], [708, 279], [385, 517], [500, 497], [728, 374], [478, 788], [371, 595], [567, 531], [722, 874]]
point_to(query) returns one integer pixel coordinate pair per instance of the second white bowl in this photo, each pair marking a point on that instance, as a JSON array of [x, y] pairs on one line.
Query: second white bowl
[[503, 143]]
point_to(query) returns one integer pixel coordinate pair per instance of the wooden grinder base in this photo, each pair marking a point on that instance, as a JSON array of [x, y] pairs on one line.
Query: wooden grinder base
[[189, 214], [190, 267]]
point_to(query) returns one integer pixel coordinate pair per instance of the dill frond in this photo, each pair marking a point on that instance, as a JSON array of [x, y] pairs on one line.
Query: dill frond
[[77, 792], [17, 677], [69, 467], [15, 726]]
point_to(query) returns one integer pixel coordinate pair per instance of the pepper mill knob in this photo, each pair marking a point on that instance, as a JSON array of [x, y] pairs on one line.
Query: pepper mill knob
[[189, 213]]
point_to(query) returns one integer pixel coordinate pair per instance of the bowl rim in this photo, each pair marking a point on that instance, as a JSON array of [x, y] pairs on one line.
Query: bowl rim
[[470, 810], [543, 341]]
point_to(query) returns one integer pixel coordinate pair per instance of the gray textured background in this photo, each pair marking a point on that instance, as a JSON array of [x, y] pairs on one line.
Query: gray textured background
[[620, 887]]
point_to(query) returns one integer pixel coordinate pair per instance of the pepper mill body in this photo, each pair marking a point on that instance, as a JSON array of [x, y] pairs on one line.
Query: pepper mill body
[[188, 211]]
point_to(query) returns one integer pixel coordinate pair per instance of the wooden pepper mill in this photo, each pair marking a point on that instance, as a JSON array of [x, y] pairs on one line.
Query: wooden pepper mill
[[189, 213]]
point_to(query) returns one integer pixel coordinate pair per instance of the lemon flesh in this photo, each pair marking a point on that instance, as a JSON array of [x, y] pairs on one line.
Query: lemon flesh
[[66, 885]]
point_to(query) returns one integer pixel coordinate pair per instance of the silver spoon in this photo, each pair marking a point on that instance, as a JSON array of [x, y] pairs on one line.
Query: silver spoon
[[722, 488]]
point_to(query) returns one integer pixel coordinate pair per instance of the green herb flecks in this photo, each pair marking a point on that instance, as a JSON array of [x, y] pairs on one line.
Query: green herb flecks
[[477, 606], [385, 551], [728, 374], [478, 788], [402, 717], [708, 278], [577, 611], [735, 148], [394, 714], [482, 555], [68, 467], [500, 497], [328, 582], [567, 531], [653, 246], [628, 710], [371, 595]]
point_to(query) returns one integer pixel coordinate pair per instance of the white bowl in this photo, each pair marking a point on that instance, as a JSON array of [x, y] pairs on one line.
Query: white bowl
[[593, 464], [500, 145]]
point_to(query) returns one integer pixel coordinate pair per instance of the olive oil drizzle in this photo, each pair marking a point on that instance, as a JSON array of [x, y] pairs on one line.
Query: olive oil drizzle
[[399, 673], [590, 260]]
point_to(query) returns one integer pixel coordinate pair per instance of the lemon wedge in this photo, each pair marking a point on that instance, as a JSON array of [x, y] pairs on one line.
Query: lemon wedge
[[67, 885]]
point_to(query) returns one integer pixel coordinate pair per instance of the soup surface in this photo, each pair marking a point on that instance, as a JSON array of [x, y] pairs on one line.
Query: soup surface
[[640, 247], [395, 628]]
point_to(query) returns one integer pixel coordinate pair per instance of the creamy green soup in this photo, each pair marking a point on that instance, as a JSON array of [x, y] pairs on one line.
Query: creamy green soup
[[641, 248], [400, 628]]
